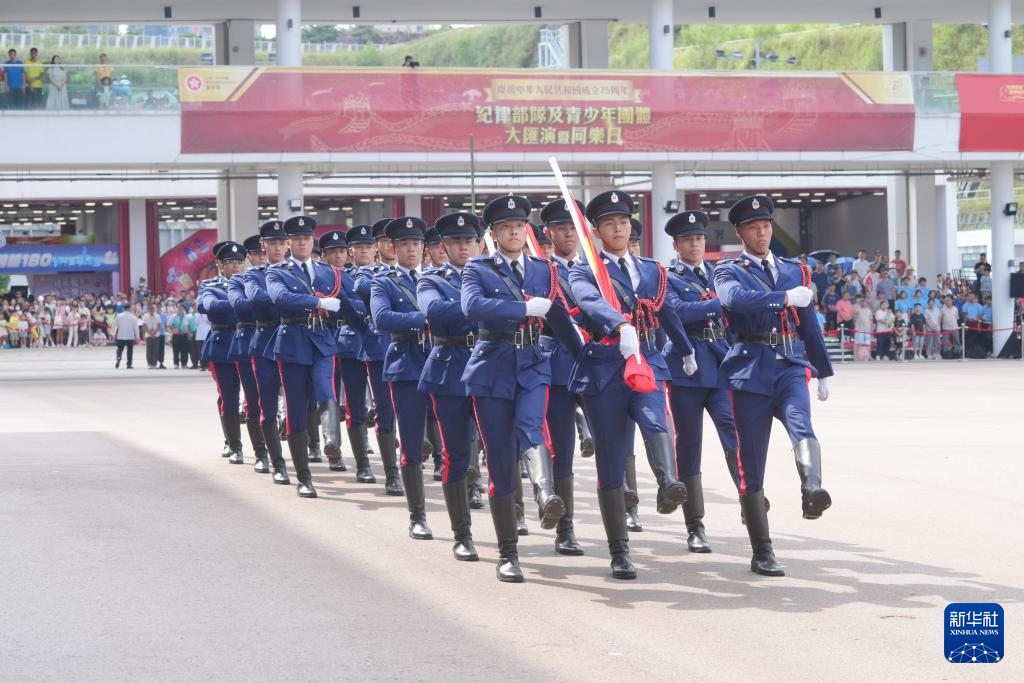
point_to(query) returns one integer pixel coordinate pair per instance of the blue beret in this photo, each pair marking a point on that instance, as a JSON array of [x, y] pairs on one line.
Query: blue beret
[[458, 225], [378, 228], [229, 251], [538, 232], [557, 212], [405, 228], [508, 208], [636, 228], [687, 223], [756, 207], [608, 204], [273, 230], [431, 236], [253, 243], [359, 234], [296, 226], [333, 240]]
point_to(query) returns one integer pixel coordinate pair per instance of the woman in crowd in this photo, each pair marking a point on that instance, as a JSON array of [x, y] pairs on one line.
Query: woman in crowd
[[57, 95]]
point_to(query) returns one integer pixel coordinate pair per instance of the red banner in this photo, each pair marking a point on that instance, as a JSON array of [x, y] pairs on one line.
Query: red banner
[[991, 112], [186, 264], [232, 110]]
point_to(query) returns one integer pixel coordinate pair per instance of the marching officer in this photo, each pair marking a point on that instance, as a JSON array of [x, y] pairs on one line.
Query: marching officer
[[213, 301], [335, 254], [375, 345], [779, 347], [268, 379], [434, 257], [305, 292], [560, 233], [439, 295], [692, 283], [640, 286], [434, 248], [509, 294], [395, 311], [240, 352]]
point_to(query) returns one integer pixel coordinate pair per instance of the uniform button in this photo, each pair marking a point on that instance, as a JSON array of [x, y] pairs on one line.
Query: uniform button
[[744, 352]]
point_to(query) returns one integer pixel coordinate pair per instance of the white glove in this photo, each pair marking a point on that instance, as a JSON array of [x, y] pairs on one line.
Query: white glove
[[629, 343], [690, 364], [823, 389], [799, 296], [537, 307], [330, 304]]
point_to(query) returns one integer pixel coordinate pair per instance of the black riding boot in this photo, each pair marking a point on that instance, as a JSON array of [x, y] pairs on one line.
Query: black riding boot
[[565, 533], [550, 507], [456, 500], [763, 561], [330, 422], [816, 500], [388, 446], [259, 445], [521, 527], [298, 446], [437, 446], [272, 437], [233, 433], [583, 432], [732, 462], [503, 514], [412, 477], [661, 454], [613, 514], [633, 522], [313, 431], [357, 440], [693, 512]]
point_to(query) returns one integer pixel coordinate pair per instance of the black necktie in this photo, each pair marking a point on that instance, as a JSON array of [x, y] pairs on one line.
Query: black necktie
[[625, 270], [305, 269], [412, 275], [570, 263], [768, 272], [516, 273], [700, 274]]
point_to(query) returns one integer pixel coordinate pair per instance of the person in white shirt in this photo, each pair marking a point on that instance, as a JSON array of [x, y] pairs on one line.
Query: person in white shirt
[[861, 265], [126, 333]]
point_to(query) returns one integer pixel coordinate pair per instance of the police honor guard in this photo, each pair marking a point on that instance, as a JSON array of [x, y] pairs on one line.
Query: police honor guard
[[779, 347]]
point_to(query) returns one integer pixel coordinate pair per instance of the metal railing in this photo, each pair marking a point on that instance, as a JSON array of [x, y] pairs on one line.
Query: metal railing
[[99, 41], [99, 87]]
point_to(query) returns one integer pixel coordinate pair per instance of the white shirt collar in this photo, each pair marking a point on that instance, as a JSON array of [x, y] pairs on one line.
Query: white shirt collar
[[632, 267], [521, 261], [308, 262], [407, 271], [772, 263], [565, 261]]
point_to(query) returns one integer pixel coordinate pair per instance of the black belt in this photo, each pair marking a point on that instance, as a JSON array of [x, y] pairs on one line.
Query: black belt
[[706, 333], [407, 336], [266, 326], [466, 340], [771, 338], [294, 321], [520, 338], [245, 326], [222, 328]]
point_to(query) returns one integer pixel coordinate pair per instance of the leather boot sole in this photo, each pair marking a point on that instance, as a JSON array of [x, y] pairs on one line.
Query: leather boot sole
[[672, 496], [632, 498], [587, 447], [816, 503], [552, 512]]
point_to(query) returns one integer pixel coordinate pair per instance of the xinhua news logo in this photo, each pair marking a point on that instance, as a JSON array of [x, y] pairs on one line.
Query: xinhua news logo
[[974, 633]]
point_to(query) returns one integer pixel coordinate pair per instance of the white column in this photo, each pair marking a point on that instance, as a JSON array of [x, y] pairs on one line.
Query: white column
[[661, 34], [223, 208], [1001, 258], [1000, 40], [923, 226], [588, 44], [236, 42], [907, 46], [663, 189], [414, 205], [137, 250], [947, 218], [289, 190], [244, 208], [896, 213], [289, 33], [894, 47]]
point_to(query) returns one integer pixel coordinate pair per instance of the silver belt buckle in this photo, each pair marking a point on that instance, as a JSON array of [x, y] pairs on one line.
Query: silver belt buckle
[[773, 338], [517, 338], [470, 340]]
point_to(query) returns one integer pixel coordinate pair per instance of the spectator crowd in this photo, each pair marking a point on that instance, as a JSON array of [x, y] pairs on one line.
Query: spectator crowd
[[166, 325]]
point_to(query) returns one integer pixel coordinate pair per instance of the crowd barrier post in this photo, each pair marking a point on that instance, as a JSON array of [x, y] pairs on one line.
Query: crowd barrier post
[[963, 341], [842, 344]]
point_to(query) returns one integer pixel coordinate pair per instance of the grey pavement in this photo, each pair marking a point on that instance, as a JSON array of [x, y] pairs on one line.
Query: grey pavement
[[130, 550]]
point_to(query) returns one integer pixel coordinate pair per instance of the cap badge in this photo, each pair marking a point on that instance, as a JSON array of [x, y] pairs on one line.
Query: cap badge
[[408, 223], [461, 221], [693, 218], [234, 248], [335, 236], [511, 203], [362, 231], [755, 204]]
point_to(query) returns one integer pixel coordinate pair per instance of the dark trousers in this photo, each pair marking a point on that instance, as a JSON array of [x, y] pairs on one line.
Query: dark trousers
[[455, 422], [561, 429], [789, 403], [194, 352], [350, 374], [507, 428], [410, 405], [884, 345], [250, 388], [153, 349], [608, 414], [268, 384], [383, 407], [179, 350], [688, 406], [305, 387], [123, 344], [225, 376]]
